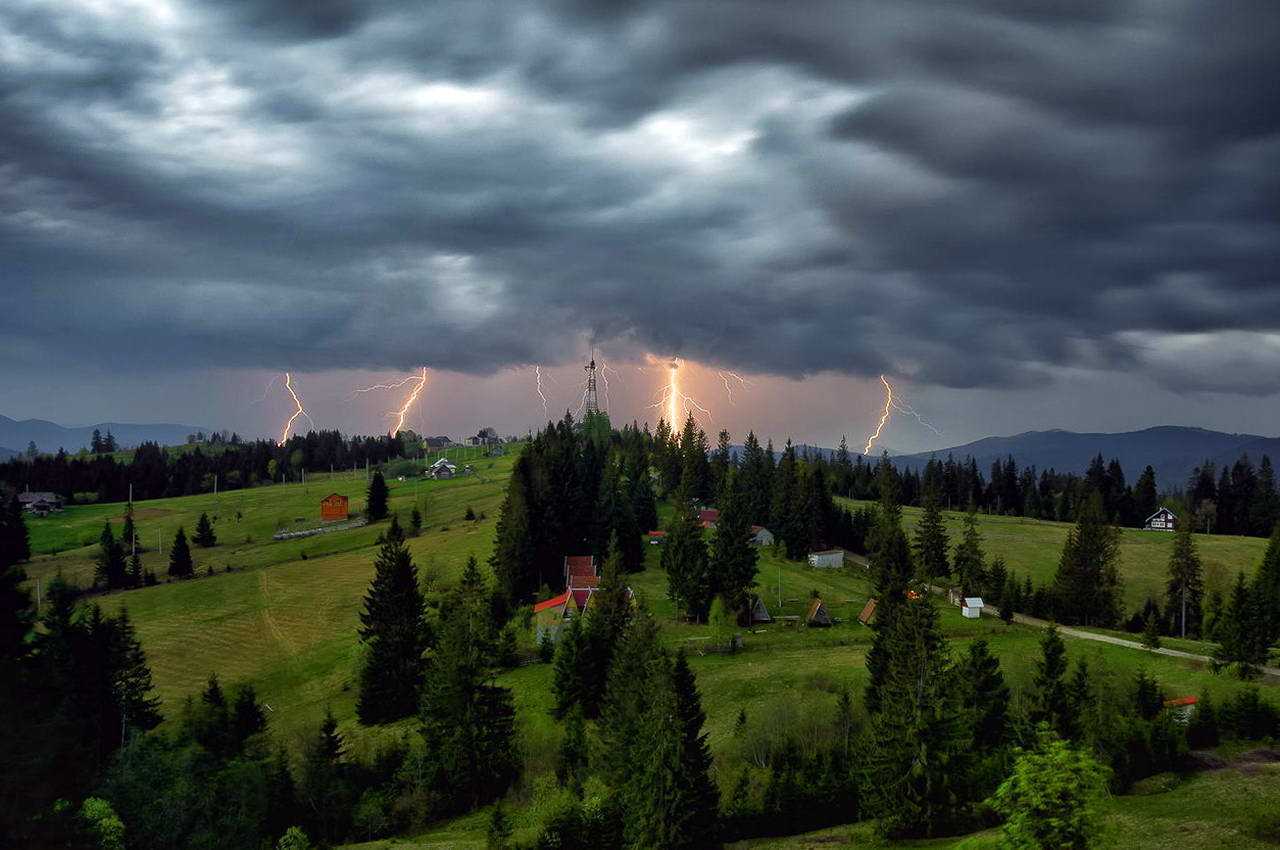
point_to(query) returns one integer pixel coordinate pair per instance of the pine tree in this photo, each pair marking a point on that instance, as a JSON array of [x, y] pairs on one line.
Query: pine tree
[[569, 683], [605, 622], [1087, 585], [931, 540], [394, 532], [1185, 589], [205, 537], [109, 567], [15, 547], [1145, 497], [515, 550], [1266, 588], [969, 561], [1202, 731], [1151, 632], [376, 497], [628, 696], [394, 632], [787, 512], [1241, 634], [131, 675], [733, 558], [1049, 698], [986, 696], [129, 533], [323, 789], [918, 766], [891, 568], [498, 836], [572, 765], [180, 563], [684, 558], [702, 797], [415, 522]]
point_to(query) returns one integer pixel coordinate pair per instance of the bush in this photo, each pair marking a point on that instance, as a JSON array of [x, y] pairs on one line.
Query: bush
[[1050, 799]]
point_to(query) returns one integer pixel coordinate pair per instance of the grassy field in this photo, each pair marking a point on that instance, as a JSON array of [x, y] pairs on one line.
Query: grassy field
[[285, 620], [1033, 547]]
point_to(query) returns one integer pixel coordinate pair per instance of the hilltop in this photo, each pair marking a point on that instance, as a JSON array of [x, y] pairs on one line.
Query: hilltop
[[50, 436]]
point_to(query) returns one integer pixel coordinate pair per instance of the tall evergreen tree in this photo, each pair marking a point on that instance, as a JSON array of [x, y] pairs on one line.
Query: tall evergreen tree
[[395, 636], [891, 568], [1146, 500], [787, 517], [605, 623], [628, 696], [922, 735], [15, 547], [572, 765], [1087, 585], [733, 558], [1264, 507], [931, 539], [986, 696], [515, 549], [1266, 588], [376, 497], [129, 532], [109, 566], [1241, 634], [969, 561], [180, 563], [205, 536], [684, 558], [1184, 591], [1050, 701]]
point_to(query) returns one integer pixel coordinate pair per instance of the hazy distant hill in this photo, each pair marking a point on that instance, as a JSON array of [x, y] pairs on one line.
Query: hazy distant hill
[[1173, 450], [50, 436], [5, 454]]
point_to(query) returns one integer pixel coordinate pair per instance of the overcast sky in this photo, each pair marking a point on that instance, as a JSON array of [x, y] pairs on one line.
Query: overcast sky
[[1026, 214]]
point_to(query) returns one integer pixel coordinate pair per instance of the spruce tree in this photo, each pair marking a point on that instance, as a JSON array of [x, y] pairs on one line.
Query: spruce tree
[[133, 572], [572, 765], [1151, 632], [205, 537], [733, 558], [1185, 589], [1087, 585], [15, 547], [1241, 634], [569, 682], [16, 618], [931, 540], [109, 566], [129, 533], [891, 568], [1266, 588], [376, 497], [515, 549], [786, 513], [628, 695], [395, 636], [180, 563], [415, 522], [969, 561], [1049, 698], [684, 559], [986, 696], [922, 735], [605, 622]]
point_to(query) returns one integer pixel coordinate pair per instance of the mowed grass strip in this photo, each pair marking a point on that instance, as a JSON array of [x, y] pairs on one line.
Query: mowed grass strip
[[1033, 547]]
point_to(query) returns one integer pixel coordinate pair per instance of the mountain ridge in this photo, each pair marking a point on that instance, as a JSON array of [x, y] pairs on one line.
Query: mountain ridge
[[50, 436]]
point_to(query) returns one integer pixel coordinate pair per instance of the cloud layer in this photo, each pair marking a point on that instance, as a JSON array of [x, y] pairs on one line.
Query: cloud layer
[[982, 194]]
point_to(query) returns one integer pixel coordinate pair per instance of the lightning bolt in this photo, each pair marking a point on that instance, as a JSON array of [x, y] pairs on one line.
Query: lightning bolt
[[605, 369], [418, 382], [884, 417], [671, 397], [300, 411], [726, 377], [270, 385], [905, 407], [409, 400], [537, 375]]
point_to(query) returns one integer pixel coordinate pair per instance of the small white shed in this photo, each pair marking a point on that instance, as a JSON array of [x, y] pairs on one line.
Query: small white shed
[[972, 607], [827, 559]]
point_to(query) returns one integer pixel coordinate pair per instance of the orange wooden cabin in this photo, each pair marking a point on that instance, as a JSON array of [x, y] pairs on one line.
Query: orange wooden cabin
[[333, 507]]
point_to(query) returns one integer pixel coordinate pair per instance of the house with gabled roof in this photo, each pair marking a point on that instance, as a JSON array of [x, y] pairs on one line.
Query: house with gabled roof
[[551, 614], [708, 517], [1162, 520], [817, 614]]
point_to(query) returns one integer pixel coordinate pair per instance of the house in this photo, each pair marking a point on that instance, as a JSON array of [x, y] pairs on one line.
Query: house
[[484, 437], [656, 538], [442, 468], [972, 607], [435, 444], [550, 614], [581, 578], [817, 614], [40, 503], [827, 559], [333, 508], [759, 613], [868, 613], [1161, 520], [761, 536], [708, 517]]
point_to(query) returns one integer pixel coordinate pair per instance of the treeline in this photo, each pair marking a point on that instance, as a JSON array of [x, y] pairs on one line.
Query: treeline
[[155, 473], [1241, 499]]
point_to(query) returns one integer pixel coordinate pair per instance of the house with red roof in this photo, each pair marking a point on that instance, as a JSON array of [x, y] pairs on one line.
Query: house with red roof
[[550, 614], [708, 517]]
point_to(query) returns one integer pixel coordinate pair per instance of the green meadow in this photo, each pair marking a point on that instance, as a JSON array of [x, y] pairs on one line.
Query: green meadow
[[284, 619]]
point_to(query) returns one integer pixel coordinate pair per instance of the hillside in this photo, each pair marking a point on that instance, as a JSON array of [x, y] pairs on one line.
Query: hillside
[[50, 436], [285, 618], [1173, 451]]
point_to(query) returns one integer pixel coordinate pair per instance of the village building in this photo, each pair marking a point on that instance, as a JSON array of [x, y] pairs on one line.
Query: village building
[[580, 584], [41, 503], [708, 517], [550, 615], [581, 578], [817, 614], [333, 508], [1162, 520], [827, 559], [972, 607], [656, 538], [761, 536], [442, 469], [437, 443], [759, 613], [485, 437]]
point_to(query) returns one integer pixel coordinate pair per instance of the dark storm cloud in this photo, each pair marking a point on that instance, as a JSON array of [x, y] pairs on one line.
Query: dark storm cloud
[[978, 194]]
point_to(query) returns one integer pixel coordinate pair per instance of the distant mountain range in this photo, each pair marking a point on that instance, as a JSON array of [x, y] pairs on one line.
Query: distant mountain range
[[50, 436], [1173, 451]]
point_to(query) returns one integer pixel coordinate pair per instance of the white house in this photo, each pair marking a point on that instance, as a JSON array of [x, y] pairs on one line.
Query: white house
[[827, 559], [972, 607], [442, 468], [1161, 520], [761, 536]]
